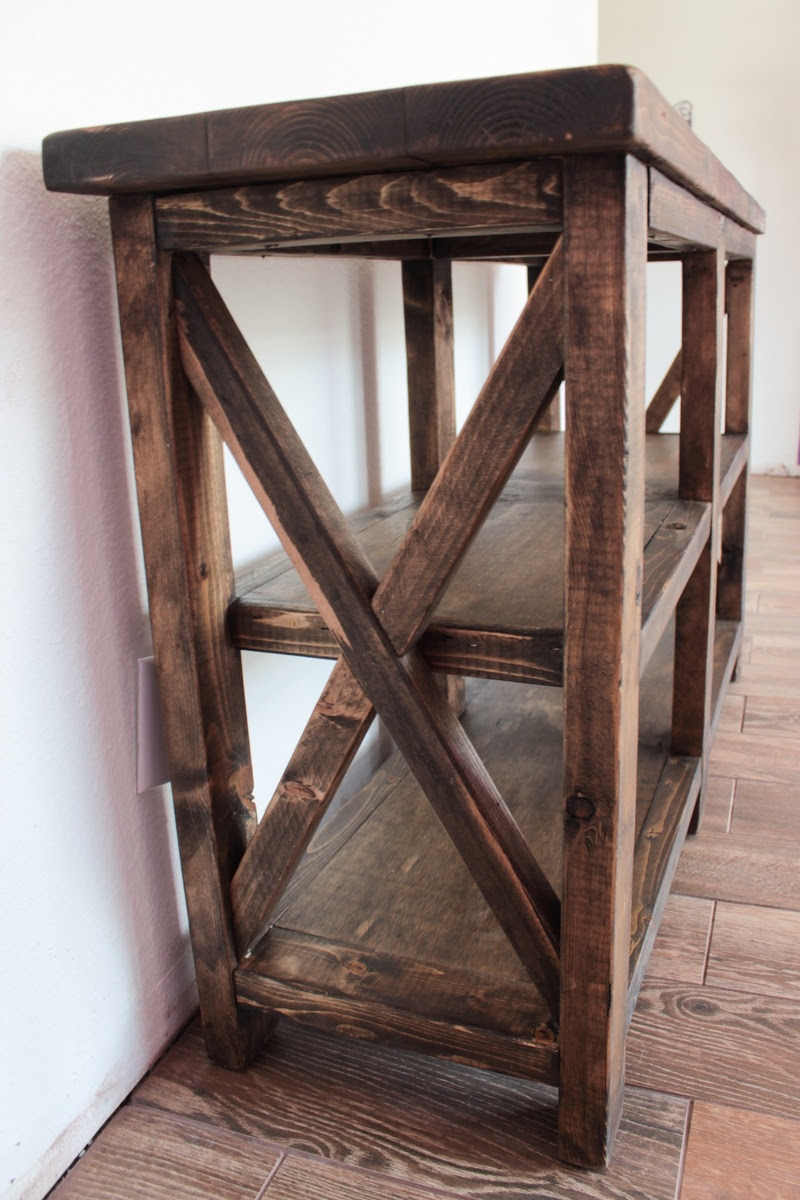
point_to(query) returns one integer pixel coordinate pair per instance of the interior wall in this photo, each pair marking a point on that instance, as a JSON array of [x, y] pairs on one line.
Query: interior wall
[[737, 64], [95, 964]]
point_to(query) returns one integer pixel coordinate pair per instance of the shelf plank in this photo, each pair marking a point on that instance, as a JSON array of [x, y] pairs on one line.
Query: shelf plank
[[387, 842], [502, 615], [443, 993], [369, 1020]]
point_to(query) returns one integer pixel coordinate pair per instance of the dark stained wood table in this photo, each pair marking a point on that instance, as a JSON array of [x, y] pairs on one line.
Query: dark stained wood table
[[492, 895]]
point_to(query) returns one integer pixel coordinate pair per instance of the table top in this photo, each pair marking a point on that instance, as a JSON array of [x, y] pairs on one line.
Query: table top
[[611, 109]]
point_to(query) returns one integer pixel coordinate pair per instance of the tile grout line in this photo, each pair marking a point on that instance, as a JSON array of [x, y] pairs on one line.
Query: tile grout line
[[707, 952], [684, 1149], [272, 1174]]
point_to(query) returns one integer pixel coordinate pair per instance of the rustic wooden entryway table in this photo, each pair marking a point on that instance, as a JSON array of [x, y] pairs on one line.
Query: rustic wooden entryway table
[[588, 582]]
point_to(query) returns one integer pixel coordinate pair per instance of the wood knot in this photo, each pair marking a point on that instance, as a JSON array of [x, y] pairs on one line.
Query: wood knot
[[356, 967], [580, 807]]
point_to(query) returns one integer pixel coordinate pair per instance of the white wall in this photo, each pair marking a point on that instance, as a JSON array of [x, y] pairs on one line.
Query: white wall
[[737, 62], [95, 973]]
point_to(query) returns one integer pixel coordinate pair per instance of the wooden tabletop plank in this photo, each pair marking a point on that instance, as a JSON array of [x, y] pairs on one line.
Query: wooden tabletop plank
[[608, 108]]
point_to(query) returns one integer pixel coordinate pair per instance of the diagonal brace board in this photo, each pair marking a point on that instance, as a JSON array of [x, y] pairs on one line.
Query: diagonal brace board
[[500, 439], [665, 398], [332, 735], [240, 401], [513, 400]]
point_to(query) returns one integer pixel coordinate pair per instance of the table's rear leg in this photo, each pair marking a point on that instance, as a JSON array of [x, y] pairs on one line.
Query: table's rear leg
[[428, 315]]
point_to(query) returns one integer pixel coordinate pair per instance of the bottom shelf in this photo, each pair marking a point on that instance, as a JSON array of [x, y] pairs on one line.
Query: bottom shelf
[[382, 932]]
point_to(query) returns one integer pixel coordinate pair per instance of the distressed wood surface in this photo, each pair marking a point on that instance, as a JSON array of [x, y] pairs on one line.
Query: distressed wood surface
[[427, 203], [700, 470], [658, 847], [501, 615], [678, 220], [428, 314], [431, 1124], [501, 422], [605, 206], [294, 497], [189, 581], [329, 742], [452, 993], [611, 108]]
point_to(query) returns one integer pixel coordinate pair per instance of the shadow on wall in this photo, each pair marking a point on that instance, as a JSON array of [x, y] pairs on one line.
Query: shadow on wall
[[92, 902]]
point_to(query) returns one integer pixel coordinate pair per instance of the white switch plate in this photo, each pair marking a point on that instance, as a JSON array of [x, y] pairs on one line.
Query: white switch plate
[[151, 750]]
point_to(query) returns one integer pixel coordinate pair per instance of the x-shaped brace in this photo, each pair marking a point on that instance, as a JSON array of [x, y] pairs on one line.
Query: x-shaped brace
[[377, 623]]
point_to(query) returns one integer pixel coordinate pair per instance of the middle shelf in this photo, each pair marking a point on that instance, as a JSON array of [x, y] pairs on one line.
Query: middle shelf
[[501, 616]]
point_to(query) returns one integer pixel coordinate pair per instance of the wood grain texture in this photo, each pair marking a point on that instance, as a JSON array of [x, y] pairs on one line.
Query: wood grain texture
[[611, 108], [326, 748], [754, 949], [734, 1155], [774, 716], [678, 220], [401, 855], [253, 219], [742, 867], [341, 582], [739, 363], [605, 208], [209, 766], [738, 1048], [368, 1020], [451, 993], [520, 386], [501, 615], [665, 397], [670, 557], [147, 1155], [301, 1178], [699, 479], [429, 1124]]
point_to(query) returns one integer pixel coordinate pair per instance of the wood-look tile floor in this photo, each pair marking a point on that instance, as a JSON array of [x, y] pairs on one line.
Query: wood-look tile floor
[[712, 1107]]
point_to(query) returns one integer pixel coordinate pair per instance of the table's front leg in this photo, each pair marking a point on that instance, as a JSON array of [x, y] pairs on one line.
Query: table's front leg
[[183, 514], [605, 216]]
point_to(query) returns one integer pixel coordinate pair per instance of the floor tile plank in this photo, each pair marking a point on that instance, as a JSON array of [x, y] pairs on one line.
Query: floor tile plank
[[146, 1155], [766, 758], [730, 718], [417, 1120], [320, 1179], [742, 868], [713, 1044], [756, 950], [772, 715], [737, 1155], [767, 810]]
